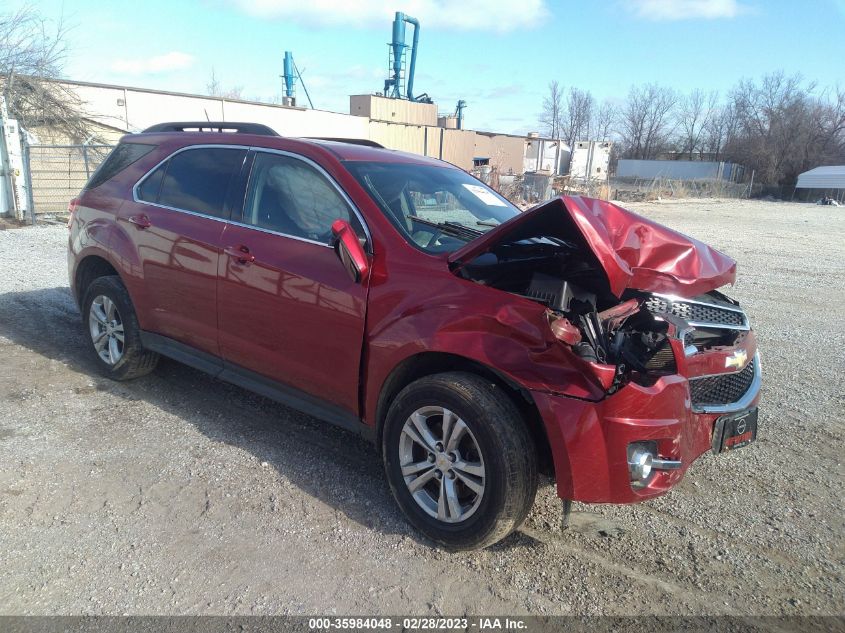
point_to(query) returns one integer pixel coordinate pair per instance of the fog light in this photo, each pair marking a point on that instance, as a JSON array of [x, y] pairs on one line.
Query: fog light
[[639, 463]]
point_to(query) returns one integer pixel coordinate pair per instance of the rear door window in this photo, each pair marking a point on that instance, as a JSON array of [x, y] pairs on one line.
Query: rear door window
[[198, 179]]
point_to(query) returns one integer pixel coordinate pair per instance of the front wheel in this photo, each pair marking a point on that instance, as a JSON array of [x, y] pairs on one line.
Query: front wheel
[[459, 459]]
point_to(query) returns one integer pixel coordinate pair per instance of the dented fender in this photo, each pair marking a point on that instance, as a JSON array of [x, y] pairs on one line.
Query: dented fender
[[510, 335]]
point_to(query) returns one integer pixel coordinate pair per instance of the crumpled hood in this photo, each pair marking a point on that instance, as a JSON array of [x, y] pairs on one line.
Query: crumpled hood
[[634, 252]]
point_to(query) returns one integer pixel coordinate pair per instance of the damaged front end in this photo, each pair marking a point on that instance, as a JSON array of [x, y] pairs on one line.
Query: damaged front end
[[640, 338], [635, 306], [632, 338], [608, 278]]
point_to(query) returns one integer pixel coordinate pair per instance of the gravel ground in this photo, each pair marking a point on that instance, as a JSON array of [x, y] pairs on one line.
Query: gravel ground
[[179, 494]]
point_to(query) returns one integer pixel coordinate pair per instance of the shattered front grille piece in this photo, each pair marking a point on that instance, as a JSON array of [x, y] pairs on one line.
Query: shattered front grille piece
[[722, 389], [696, 312], [663, 359]]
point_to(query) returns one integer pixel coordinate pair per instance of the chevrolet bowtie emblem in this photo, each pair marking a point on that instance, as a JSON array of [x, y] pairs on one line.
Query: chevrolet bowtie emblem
[[737, 359]]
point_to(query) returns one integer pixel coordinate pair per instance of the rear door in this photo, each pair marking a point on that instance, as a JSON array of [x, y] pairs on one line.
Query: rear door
[[176, 221], [287, 307]]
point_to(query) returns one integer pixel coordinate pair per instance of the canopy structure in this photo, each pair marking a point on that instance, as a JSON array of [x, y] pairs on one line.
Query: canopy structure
[[830, 177]]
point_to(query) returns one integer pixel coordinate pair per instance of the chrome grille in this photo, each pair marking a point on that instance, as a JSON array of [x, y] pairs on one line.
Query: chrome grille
[[696, 311], [703, 337], [723, 389]]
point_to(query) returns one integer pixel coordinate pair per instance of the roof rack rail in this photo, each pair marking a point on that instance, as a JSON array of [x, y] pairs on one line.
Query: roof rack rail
[[351, 141], [212, 126]]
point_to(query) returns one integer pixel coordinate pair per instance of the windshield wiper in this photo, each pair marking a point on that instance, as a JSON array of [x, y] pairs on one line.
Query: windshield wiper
[[454, 228], [461, 227]]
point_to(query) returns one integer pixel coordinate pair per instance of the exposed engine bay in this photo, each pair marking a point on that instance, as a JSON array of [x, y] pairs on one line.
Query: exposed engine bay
[[630, 333]]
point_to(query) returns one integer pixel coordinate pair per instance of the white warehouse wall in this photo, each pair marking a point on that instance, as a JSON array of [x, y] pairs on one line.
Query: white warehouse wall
[[143, 108], [135, 109]]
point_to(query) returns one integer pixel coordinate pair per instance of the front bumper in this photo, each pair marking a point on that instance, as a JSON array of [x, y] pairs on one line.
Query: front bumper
[[589, 440]]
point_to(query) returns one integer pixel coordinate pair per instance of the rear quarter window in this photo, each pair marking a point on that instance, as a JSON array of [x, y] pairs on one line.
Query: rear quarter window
[[120, 158], [149, 188]]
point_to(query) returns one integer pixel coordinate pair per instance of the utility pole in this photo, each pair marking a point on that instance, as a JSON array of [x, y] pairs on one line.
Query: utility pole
[[6, 206], [14, 198]]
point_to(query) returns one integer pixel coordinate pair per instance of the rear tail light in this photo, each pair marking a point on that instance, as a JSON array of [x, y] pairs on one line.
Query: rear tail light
[[72, 206]]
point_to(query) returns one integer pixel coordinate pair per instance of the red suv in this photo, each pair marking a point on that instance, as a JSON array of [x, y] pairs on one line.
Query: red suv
[[399, 297]]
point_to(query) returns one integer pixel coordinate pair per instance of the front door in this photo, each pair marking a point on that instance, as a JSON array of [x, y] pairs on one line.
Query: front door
[[287, 308]]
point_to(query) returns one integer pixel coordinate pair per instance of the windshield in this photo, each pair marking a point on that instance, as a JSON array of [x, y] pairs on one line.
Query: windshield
[[438, 209]]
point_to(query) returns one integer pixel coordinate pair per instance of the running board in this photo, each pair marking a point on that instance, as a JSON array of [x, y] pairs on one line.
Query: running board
[[252, 381]]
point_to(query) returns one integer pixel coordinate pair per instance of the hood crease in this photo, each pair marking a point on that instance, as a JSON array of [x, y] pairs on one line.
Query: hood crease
[[634, 252]]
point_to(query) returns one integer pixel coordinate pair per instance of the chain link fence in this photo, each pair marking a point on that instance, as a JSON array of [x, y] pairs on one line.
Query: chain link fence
[[58, 173], [647, 189]]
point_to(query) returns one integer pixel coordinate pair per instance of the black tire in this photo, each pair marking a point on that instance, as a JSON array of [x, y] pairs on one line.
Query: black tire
[[505, 445], [134, 360]]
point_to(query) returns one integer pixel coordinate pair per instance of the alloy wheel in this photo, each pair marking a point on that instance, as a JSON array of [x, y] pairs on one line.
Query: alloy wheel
[[441, 464], [106, 328]]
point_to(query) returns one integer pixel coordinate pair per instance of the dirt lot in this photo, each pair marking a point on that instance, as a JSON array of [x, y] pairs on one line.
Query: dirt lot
[[180, 494]]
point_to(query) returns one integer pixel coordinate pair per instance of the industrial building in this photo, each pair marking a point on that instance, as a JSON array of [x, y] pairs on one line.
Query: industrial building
[[395, 123], [60, 165], [690, 170], [57, 167]]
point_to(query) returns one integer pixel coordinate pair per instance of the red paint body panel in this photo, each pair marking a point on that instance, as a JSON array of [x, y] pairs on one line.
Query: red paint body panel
[[293, 314], [507, 333], [92, 228], [634, 252], [589, 440], [174, 285]]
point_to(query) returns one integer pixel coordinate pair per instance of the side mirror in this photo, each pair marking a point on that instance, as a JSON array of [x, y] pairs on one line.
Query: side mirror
[[350, 252]]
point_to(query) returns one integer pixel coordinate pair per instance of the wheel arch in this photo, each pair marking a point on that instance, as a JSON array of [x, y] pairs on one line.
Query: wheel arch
[[89, 268], [430, 363]]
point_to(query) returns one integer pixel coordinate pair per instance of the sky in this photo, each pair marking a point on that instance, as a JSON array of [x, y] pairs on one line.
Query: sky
[[498, 55]]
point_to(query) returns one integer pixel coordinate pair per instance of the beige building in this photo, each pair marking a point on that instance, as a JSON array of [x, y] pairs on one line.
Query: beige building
[[60, 166], [394, 123], [381, 108]]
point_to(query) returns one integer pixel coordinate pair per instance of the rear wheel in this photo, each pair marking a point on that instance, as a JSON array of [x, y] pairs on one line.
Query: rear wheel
[[460, 460], [115, 335]]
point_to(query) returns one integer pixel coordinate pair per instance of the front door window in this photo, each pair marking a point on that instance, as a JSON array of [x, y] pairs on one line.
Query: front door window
[[289, 196]]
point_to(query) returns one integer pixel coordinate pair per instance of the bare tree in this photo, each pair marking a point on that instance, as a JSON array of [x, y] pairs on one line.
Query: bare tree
[[215, 89], [552, 114], [32, 53], [824, 140], [720, 130], [694, 113], [784, 127], [604, 121], [778, 126], [646, 120], [577, 116]]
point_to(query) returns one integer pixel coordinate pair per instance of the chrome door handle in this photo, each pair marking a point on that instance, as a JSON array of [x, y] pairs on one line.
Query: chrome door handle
[[240, 253], [141, 221]]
